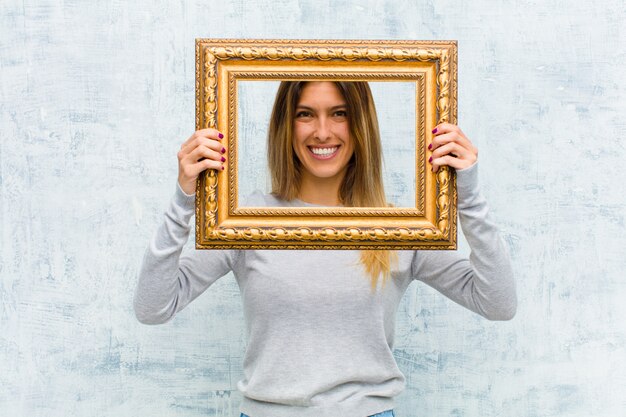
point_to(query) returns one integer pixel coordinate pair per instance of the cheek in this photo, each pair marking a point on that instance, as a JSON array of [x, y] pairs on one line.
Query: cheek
[[344, 133], [298, 133], [302, 128]]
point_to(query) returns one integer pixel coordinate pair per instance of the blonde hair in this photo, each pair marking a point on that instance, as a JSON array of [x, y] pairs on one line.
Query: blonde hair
[[362, 185]]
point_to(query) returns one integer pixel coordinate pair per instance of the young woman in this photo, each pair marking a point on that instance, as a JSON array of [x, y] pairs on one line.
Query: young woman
[[320, 324]]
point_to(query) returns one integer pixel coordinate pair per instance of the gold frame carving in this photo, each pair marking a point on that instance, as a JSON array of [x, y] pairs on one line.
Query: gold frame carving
[[220, 223]]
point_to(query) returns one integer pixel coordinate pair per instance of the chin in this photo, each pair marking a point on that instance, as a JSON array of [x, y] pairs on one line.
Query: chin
[[323, 173]]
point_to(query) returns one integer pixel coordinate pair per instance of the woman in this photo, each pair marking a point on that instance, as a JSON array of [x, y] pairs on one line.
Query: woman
[[320, 324]]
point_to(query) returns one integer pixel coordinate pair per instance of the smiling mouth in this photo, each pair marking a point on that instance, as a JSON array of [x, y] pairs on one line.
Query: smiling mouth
[[324, 153]]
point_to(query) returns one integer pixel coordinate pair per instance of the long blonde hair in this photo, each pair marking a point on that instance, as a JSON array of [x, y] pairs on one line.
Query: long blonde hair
[[362, 186]]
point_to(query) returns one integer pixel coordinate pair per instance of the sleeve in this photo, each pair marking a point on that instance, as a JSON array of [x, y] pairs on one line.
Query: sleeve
[[484, 283], [169, 278]]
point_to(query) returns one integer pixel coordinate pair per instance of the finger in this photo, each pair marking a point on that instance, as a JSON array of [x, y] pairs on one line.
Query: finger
[[198, 143], [452, 161], [453, 136], [452, 149], [203, 133], [204, 152], [446, 160], [191, 171], [209, 164], [210, 144], [211, 140], [447, 128]]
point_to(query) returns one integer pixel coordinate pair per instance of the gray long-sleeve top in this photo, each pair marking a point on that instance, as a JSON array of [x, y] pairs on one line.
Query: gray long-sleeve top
[[319, 341]]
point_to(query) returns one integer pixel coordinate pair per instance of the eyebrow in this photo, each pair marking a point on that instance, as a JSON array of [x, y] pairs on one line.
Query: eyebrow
[[341, 106]]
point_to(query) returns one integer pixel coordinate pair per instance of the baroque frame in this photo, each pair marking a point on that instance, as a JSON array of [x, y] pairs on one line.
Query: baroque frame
[[221, 224]]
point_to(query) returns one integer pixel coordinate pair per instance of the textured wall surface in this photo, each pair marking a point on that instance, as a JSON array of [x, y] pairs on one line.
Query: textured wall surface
[[95, 98]]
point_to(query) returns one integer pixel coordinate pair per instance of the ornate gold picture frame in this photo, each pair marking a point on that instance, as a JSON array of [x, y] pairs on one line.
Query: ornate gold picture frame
[[222, 223]]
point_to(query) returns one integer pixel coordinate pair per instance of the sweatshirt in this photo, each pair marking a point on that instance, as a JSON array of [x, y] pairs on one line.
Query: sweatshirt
[[319, 340]]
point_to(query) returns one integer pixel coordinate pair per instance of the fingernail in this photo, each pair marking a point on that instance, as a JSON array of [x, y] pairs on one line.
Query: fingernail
[[430, 159], [430, 146], [223, 150], [223, 159], [222, 167], [221, 136], [435, 130]]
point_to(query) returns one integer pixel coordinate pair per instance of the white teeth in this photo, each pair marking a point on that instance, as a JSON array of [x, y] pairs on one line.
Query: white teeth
[[323, 151]]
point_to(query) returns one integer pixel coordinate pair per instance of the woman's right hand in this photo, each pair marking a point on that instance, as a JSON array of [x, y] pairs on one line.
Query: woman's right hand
[[203, 150]]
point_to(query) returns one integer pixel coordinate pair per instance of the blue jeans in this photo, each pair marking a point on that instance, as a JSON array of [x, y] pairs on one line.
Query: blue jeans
[[388, 413]]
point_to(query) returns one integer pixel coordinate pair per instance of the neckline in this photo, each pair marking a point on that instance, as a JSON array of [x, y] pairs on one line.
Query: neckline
[[297, 202]]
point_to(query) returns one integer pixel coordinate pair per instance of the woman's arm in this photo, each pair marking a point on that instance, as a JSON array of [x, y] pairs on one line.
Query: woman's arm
[[169, 278], [483, 283]]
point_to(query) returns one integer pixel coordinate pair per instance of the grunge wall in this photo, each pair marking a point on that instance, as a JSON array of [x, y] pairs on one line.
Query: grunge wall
[[95, 99]]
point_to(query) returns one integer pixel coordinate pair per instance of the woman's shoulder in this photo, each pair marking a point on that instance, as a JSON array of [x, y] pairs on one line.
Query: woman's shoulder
[[260, 199]]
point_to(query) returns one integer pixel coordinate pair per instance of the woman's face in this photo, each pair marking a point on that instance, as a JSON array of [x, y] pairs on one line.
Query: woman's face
[[321, 131]]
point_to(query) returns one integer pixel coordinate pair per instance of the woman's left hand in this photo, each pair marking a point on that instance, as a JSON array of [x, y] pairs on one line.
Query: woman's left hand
[[451, 147]]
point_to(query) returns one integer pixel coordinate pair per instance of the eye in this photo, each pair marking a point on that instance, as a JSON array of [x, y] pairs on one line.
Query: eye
[[341, 113], [303, 113]]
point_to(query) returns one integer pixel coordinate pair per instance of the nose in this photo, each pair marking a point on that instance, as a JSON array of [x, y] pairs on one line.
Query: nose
[[323, 129]]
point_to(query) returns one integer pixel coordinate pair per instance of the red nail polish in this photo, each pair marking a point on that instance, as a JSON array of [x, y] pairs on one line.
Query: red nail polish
[[430, 159], [223, 159], [435, 130], [430, 146], [222, 167], [223, 150], [221, 136]]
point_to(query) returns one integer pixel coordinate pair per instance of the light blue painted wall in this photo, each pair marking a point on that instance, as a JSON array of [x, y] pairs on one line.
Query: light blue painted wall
[[95, 98]]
